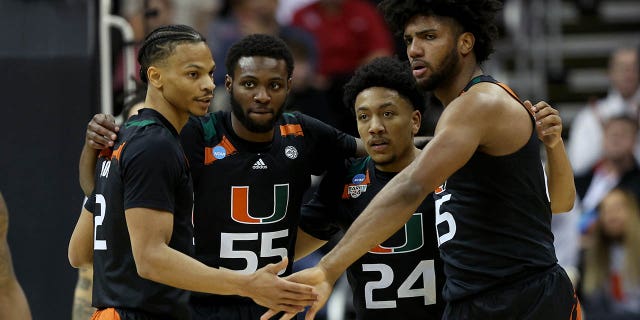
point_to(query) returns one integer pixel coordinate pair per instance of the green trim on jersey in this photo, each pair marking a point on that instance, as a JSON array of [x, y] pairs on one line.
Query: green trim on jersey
[[208, 123], [357, 167], [139, 123]]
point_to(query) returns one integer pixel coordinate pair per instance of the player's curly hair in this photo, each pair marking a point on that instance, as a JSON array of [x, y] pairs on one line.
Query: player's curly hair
[[475, 16], [259, 45], [160, 43], [385, 72]]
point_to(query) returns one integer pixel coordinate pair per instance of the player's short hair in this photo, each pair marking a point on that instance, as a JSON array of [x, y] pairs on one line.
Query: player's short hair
[[259, 45], [160, 43], [475, 16], [386, 72]]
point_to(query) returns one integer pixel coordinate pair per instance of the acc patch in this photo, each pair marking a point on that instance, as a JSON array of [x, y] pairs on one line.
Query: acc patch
[[291, 152]]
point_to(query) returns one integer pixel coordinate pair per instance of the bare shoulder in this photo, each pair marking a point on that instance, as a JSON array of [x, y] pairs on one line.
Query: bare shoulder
[[497, 115]]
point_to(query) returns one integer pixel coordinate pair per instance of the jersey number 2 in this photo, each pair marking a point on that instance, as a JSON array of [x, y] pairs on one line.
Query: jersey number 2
[[97, 222]]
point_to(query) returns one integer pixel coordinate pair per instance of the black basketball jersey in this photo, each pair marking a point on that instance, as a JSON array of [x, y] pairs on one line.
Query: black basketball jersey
[[402, 278], [146, 168], [248, 195], [493, 219]]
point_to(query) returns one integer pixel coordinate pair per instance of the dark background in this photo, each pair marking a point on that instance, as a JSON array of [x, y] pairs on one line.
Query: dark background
[[48, 85]]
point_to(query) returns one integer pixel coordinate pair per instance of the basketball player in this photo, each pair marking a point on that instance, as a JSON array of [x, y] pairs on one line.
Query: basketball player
[[492, 212], [13, 302], [250, 169], [136, 227]]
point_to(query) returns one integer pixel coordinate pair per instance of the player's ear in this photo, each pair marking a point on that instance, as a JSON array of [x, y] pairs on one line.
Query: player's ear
[[416, 121], [465, 43], [154, 76], [228, 81]]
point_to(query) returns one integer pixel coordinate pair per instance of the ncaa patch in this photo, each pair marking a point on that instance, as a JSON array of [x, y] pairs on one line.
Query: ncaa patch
[[358, 179], [219, 152]]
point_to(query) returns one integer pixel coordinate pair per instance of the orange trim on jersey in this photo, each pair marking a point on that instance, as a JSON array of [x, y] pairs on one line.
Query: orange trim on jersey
[[105, 153], [118, 151], [380, 249], [240, 205], [291, 129], [225, 143], [513, 94], [106, 314], [576, 310]]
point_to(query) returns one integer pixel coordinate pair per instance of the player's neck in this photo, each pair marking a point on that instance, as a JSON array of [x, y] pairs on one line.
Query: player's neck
[[178, 118], [451, 89], [400, 163]]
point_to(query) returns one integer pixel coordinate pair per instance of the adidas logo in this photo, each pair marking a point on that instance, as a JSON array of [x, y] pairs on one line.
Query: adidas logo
[[259, 164]]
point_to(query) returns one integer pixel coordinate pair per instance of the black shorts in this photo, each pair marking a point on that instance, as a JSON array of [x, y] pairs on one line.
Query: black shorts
[[201, 310], [548, 295], [124, 314]]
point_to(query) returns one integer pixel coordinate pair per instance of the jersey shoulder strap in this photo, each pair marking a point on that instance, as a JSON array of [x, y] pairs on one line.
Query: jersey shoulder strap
[[488, 78]]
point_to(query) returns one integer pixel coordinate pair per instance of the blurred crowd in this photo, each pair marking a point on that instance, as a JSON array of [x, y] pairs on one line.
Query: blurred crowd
[[598, 242]]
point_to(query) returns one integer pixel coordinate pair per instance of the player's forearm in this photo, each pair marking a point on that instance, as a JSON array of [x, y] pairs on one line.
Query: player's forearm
[[562, 189], [80, 249], [174, 268], [82, 309], [13, 302], [86, 169], [386, 213], [360, 150]]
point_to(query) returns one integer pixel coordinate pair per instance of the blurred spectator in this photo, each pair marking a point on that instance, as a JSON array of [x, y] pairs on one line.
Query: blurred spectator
[[585, 137], [617, 168], [348, 33], [286, 9], [143, 16], [304, 95], [247, 17], [196, 13], [611, 282]]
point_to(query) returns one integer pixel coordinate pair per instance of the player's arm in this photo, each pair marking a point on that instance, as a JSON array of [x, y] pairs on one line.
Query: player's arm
[[150, 231], [360, 150], [80, 249], [562, 191], [13, 302], [460, 131], [82, 309], [306, 244], [101, 133]]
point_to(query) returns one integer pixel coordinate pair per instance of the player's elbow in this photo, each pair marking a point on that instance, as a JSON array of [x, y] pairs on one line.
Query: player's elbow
[[561, 207], [147, 263], [79, 258]]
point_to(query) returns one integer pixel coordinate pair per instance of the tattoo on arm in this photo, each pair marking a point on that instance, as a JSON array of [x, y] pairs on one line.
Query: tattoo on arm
[[82, 309]]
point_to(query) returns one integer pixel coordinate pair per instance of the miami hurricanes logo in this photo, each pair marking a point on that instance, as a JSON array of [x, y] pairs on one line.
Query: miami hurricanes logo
[[240, 205], [414, 238]]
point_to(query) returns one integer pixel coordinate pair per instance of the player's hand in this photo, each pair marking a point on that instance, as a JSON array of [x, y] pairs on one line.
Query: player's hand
[[275, 293], [548, 123], [101, 131], [317, 277]]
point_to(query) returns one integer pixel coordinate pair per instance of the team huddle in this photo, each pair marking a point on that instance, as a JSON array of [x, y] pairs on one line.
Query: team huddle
[[197, 215]]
